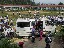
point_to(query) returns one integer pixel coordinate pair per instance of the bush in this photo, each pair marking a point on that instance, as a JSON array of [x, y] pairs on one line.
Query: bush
[[59, 36], [7, 43]]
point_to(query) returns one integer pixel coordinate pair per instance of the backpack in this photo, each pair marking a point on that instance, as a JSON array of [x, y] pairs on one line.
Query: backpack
[[48, 39]]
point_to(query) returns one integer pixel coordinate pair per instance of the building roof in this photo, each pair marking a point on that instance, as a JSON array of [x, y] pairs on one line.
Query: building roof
[[17, 5], [44, 5], [51, 5]]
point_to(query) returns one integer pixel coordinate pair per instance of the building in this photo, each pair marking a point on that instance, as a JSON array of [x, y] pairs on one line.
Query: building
[[51, 7], [27, 7], [14, 7]]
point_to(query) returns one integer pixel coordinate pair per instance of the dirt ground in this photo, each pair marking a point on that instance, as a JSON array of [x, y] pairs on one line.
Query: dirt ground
[[37, 44]]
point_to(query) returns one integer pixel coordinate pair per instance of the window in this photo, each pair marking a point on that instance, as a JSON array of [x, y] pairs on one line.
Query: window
[[23, 24]]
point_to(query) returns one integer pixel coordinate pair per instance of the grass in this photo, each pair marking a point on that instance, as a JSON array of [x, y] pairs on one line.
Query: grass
[[3, 14], [32, 12]]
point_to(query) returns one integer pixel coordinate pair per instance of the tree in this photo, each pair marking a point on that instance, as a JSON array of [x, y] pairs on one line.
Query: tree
[[38, 3], [60, 3], [17, 2]]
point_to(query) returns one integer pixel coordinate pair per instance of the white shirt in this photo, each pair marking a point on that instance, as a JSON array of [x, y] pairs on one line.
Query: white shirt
[[12, 30], [11, 21], [5, 20], [0, 26], [63, 19], [7, 31], [59, 19]]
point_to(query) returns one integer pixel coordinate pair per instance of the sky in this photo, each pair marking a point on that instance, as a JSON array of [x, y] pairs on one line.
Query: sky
[[49, 1]]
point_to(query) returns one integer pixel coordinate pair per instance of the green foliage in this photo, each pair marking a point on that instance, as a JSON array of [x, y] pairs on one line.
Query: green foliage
[[59, 36], [3, 14], [16, 2], [61, 33], [60, 3], [7, 43]]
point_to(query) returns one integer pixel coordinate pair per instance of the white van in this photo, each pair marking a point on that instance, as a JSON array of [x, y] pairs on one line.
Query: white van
[[23, 27], [47, 28]]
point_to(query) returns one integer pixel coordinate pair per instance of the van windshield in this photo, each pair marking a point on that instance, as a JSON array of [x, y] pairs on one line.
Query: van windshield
[[23, 24]]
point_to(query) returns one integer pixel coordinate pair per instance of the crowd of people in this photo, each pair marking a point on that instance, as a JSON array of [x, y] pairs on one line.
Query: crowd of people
[[57, 20], [6, 25]]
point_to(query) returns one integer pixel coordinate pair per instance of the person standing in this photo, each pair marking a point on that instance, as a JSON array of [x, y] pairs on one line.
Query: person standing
[[13, 13], [11, 32], [41, 33], [33, 34], [19, 13], [11, 22], [48, 40]]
